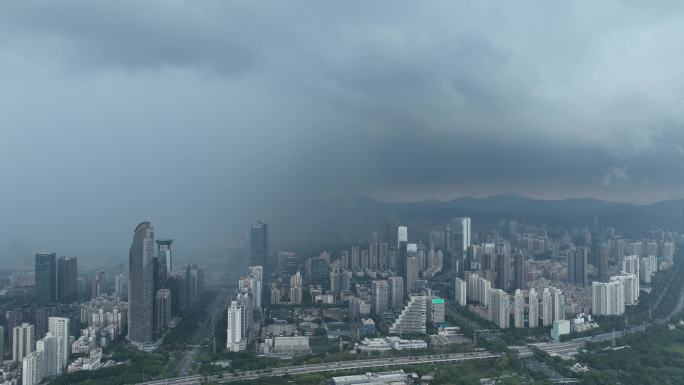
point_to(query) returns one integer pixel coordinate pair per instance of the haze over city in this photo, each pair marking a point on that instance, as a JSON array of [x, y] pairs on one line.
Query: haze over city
[[205, 115]]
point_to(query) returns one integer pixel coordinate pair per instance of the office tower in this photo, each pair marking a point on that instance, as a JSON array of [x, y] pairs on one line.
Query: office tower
[[437, 310], [33, 368], [533, 309], [120, 286], [631, 287], [275, 296], [259, 246], [43, 314], [256, 273], [163, 304], [413, 319], [503, 272], [396, 288], [296, 291], [49, 346], [460, 234], [547, 307], [402, 235], [23, 341], [519, 309], [59, 327], [558, 304], [498, 308], [519, 271], [67, 279], [412, 271], [577, 266], [141, 285], [234, 341], [98, 285], [194, 282], [607, 298], [380, 296], [344, 259], [165, 260], [46, 278], [460, 292], [319, 271], [335, 280], [603, 254]]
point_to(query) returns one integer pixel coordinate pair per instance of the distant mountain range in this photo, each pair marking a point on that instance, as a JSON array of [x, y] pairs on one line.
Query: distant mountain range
[[358, 216]]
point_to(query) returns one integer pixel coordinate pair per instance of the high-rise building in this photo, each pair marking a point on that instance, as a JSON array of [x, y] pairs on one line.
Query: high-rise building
[[59, 327], [519, 309], [23, 341], [67, 279], [2, 343], [275, 296], [396, 289], [234, 340], [519, 271], [547, 307], [460, 233], [165, 257], [49, 346], [413, 319], [608, 298], [503, 272], [577, 266], [259, 245], [46, 278], [355, 257], [603, 254], [558, 304], [460, 292], [402, 235], [533, 309], [380, 296], [631, 287], [296, 290], [437, 310], [163, 313], [33, 368], [499, 308], [412, 273], [43, 314], [141, 286]]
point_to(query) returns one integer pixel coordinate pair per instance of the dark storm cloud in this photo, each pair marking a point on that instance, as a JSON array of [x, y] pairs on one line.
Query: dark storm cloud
[[203, 115]]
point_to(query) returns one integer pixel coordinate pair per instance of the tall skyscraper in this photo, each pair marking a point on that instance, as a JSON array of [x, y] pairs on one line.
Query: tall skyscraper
[[460, 233], [460, 292], [49, 346], [59, 327], [67, 279], [164, 254], [234, 342], [519, 309], [577, 266], [2, 343], [503, 272], [533, 309], [547, 307], [141, 286], [499, 308], [412, 271], [402, 235], [23, 341], [380, 293], [46, 278], [396, 287], [519, 271], [163, 309], [259, 246]]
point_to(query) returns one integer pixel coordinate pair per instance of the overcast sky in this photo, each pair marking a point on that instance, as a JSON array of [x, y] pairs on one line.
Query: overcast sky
[[203, 115]]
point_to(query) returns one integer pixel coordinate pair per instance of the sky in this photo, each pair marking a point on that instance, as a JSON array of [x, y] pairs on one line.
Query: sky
[[202, 116]]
